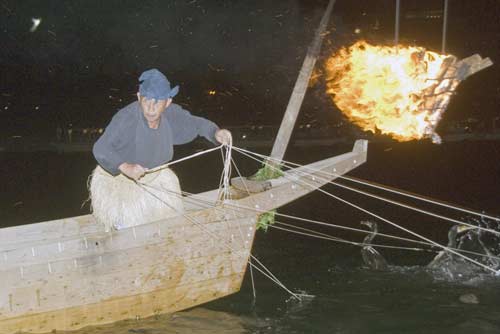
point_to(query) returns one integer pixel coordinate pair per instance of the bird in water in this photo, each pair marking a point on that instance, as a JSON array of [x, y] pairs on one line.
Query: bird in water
[[371, 257], [444, 257], [492, 259]]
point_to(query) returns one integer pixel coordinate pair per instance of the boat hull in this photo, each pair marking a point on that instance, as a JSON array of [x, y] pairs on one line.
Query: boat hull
[[68, 274], [144, 305]]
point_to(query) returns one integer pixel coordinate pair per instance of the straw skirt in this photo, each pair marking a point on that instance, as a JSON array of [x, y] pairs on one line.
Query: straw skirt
[[118, 202]]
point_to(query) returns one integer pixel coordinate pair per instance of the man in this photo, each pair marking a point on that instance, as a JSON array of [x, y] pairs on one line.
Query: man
[[141, 136]]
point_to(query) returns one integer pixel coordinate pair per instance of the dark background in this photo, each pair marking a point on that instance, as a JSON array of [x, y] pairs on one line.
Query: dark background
[[82, 63]]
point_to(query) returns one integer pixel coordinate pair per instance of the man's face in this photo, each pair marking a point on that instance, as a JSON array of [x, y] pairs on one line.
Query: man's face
[[152, 108]]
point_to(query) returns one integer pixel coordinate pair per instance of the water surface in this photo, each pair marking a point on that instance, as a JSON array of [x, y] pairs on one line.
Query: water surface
[[347, 297]]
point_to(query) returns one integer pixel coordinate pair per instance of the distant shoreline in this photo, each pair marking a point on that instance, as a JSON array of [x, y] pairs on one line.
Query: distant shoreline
[[32, 145]]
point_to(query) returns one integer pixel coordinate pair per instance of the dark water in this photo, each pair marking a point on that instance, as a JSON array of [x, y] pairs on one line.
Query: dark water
[[348, 298]]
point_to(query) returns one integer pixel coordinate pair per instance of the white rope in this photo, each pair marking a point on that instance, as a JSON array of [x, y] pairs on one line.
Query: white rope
[[415, 209], [351, 229], [152, 170], [328, 237], [382, 187], [265, 271], [380, 197], [226, 173], [389, 222], [418, 197], [254, 292], [209, 204], [228, 158], [320, 235], [226, 182], [227, 169]]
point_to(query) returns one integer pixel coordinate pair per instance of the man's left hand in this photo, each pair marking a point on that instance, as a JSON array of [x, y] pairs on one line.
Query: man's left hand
[[223, 136]]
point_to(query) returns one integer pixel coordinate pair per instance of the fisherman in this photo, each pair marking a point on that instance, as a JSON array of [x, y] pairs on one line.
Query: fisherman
[[138, 138]]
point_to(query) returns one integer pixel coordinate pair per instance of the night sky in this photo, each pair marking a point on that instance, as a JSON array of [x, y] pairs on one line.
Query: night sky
[[82, 62]]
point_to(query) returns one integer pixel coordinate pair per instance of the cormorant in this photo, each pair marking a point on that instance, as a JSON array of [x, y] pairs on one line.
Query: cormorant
[[492, 260], [371, 257], [444, 256]]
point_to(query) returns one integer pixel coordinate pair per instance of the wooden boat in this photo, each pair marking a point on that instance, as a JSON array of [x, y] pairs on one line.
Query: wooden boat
[[66, 274]]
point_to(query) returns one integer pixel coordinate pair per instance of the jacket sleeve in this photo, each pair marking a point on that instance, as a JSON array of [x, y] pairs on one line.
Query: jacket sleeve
[[186, 127], [106, 148]]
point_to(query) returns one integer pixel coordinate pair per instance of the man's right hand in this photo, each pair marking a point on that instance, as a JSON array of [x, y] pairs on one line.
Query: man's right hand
[[133, 171]]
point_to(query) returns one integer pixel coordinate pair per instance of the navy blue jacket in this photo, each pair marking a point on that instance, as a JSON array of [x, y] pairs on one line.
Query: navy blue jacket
[[128, 138]]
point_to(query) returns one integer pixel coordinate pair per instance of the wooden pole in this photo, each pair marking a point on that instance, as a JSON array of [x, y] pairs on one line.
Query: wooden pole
[[292, 110], [445, 26], [396, 25]]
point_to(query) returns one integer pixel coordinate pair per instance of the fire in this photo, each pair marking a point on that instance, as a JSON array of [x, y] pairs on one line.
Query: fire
[[383, 88]]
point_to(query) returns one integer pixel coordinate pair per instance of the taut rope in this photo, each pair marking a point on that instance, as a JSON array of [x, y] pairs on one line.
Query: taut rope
[[388, 221]]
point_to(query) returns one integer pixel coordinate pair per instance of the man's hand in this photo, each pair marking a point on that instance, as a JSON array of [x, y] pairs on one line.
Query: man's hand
[[223, 136], [133, 171]]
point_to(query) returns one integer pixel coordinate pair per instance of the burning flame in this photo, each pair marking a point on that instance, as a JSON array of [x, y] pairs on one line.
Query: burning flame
[[382, 88]]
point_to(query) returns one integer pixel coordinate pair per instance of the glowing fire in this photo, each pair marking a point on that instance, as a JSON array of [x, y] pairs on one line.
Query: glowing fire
[[384, 88]]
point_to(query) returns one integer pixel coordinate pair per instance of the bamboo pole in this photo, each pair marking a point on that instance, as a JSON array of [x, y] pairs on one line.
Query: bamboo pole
[[445, 26], [298, 93]]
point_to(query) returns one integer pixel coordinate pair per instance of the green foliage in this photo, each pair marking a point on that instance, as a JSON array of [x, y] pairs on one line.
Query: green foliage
[[265, 220], [267, 172]]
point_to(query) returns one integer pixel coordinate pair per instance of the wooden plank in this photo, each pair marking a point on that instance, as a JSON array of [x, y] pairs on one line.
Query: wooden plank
[[207, 216], [299, 90], [137, 306], [54, 229], [183, 246], [101, 245], [306, 179], [64, 291], [172, 248], [438, 96]]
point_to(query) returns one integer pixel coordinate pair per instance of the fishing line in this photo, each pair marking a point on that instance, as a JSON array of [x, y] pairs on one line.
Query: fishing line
[[381, 187], [384, 219], [301, 173]]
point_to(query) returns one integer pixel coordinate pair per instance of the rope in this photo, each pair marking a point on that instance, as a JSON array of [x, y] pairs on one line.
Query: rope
[[209, 204], [325, 236], [343, 227], [418, 197], [351, 229], [396, 24], [265, 271], [415, 209], [152, 170], [226, 173], [392, 223], [379, 197], [490, 256], [254, 292]]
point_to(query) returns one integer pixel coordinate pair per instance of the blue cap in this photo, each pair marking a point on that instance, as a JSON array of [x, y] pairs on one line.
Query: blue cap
[[154, 85]]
